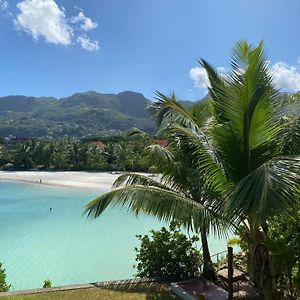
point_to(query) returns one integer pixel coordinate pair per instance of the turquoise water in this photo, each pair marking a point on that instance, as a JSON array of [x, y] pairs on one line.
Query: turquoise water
[[62, 244]]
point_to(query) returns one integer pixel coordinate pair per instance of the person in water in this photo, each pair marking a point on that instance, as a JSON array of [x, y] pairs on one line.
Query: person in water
[[50, 209]]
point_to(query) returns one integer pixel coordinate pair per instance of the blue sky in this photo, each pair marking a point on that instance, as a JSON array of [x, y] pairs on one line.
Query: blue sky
[[56, 48]]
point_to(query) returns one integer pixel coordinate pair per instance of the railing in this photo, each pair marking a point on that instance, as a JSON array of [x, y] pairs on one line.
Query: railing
[[217, 254]]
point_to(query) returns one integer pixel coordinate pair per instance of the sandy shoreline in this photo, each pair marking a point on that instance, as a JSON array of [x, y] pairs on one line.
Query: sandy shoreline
[[100, 181]]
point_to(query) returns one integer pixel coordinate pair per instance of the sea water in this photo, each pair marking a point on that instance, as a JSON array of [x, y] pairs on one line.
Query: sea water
[[61, 244]]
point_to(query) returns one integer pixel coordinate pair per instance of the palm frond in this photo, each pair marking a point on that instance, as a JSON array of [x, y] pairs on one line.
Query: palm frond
[[244, 111], [164, 205], [290, 138], [273, 188], [159, 154], [205, 158], [168, 110], [128, 179]]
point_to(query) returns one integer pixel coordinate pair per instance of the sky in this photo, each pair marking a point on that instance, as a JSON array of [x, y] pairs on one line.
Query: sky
[[60, 47]]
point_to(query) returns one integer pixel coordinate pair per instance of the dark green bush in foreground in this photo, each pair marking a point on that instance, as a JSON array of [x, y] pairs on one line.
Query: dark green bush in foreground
[[4, 287], [168, 253]]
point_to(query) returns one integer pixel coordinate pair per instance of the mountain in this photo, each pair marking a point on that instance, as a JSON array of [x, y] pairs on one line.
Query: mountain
[[80, 115], [90, 114]]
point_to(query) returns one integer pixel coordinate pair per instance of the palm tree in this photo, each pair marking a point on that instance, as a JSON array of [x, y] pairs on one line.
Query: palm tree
[[179, 176], [249, 153], [179, 173], [246, 154]]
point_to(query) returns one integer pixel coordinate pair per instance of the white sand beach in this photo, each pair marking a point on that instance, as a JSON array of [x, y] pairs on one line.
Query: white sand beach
[[101, 181]]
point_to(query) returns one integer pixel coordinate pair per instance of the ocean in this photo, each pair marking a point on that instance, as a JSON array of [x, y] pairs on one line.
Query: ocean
[[61, 244]]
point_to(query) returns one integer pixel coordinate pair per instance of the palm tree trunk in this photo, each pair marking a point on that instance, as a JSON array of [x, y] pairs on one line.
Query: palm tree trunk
[[208, 267], [259, 265]]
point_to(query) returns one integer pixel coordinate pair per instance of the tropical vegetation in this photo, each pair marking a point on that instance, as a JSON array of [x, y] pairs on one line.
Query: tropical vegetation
[[168, 254], [118, 153], [80, 115], [284, 244], [4, 286], [242, 154]]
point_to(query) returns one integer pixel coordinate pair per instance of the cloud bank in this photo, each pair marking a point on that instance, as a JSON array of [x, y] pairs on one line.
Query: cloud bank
[[45, 19]]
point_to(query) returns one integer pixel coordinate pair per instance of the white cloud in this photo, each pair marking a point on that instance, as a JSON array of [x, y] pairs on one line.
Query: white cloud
[[88, 44], [44, 18], [86, 23], [285, 76], [199, 75]]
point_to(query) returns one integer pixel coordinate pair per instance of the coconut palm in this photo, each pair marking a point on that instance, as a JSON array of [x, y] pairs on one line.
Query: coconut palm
[[246, 153], [175, 166], [254, 151], [167, 199]]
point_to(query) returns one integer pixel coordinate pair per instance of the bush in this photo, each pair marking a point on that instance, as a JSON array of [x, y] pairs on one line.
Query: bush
[[284, 244], [168, 254], [47, 283], [4, 287]]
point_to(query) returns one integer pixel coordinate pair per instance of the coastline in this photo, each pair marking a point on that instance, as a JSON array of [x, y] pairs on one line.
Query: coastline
[[99, 181]]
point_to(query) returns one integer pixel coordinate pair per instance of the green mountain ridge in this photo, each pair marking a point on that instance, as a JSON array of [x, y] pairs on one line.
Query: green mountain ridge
[[88, 114], [80, 115]]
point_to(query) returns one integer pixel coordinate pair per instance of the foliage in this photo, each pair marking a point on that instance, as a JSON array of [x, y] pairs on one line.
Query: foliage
[[80, 115], [47, 283], [4, 287], [284, 242], [73, 154], [168, 253], [246, 152]]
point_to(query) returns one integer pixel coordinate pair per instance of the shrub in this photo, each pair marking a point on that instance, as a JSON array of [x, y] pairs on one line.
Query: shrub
[[168, 254], [47, 283], [284, 244], [4, 287]]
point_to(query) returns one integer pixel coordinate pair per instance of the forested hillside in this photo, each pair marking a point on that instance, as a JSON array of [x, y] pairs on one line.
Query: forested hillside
[[80, 115], [88, 114]]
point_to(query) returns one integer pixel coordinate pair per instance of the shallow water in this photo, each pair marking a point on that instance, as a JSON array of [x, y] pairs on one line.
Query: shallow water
[[62, 245]]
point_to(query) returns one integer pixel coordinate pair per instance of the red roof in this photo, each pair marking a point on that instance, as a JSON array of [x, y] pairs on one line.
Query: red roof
[[163, 143]]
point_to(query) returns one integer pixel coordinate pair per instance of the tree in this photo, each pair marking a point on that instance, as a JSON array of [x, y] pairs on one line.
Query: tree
[[47, 283], [4, 287], [168, 254], [249, 152], [179, 178], [284, 246], [246, 154]]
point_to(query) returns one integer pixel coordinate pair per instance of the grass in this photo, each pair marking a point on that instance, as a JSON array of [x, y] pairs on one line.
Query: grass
[[152, 291]]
